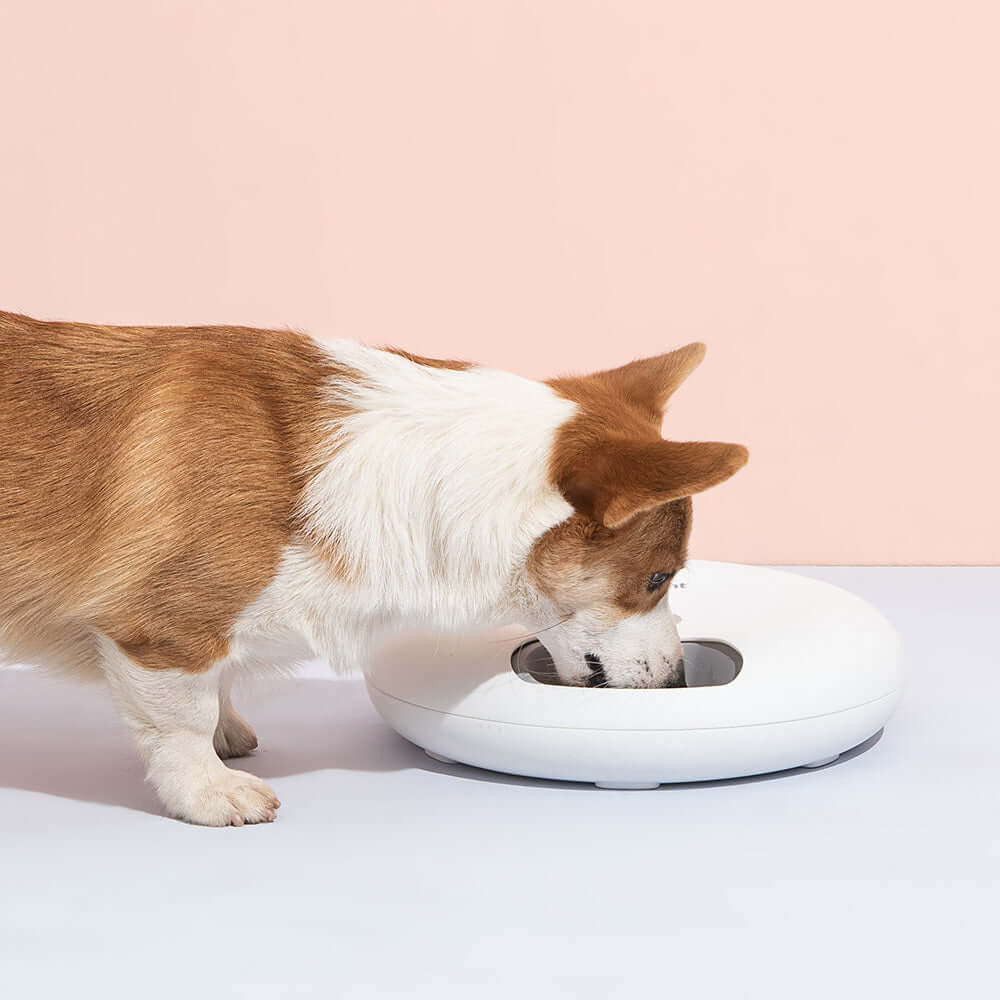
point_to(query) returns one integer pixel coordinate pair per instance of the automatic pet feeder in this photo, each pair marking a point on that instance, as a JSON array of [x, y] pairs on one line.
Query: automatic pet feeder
[[781, 671]]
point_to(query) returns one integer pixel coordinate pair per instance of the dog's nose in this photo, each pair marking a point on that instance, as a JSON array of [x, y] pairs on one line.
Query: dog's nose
[[596, 678]]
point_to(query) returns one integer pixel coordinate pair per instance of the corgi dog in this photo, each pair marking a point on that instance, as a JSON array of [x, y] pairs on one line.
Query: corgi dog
[[182, 504]]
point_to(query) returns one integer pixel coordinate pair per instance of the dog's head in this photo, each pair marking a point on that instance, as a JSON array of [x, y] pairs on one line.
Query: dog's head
[[603, 575]]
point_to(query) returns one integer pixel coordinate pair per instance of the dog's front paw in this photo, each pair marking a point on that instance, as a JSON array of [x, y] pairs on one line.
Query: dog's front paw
[[231, 798]]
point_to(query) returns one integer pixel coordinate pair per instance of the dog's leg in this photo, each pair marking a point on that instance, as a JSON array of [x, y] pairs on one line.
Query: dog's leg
[[234, 736], [173, 715]]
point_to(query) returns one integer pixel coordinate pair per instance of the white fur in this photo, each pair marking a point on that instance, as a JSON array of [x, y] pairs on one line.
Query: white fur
[[306, 611], [640, 650], [436, 486], [173, 715]]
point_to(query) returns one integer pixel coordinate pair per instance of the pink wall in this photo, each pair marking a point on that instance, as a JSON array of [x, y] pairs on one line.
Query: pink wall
[[548, 186]]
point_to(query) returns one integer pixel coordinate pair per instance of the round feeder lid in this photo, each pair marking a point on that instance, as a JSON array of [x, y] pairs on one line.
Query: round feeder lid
[[805, 649]]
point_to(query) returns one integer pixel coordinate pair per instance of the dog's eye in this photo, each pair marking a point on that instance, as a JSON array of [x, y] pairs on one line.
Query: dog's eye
[[657, 580]]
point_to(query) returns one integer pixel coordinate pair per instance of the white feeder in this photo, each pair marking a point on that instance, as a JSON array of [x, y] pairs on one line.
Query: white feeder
[[781, 671]]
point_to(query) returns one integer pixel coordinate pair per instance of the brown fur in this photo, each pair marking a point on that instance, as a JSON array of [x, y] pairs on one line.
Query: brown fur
[[610, 461], [581, 563], [417, 359], [148, 482], [630, 488]]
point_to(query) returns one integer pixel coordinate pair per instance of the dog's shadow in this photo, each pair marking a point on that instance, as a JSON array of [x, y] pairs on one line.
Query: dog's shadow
[[65, 739]]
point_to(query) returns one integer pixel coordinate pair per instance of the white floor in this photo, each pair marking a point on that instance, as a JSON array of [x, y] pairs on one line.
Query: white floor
[[387, 875]]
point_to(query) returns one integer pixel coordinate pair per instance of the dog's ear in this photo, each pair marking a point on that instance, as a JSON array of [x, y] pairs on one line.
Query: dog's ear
[[616, 480], [650, 382]]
